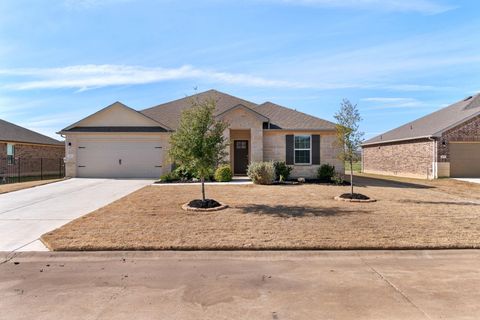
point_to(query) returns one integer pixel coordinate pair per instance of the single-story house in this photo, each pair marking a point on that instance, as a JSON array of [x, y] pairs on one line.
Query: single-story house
[[445, 143], [22, 151], [119, 141]]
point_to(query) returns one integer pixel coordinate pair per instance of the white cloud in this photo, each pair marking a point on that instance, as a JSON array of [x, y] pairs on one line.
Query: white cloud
[[420, 6], [85, 77], [384, 103]]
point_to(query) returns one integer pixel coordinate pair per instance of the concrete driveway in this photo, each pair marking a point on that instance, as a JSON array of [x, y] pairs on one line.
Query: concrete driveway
[[472, 180], [358, 285], [27, 214]]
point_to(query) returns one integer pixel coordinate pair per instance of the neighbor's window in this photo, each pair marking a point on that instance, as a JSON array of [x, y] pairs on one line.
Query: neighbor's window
[[302, 149], [10, 153]]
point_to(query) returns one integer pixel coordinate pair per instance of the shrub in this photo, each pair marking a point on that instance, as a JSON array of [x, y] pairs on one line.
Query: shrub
[[169, 177], [282, 171], [184, 173], [223, 173], [326, 172], [337, 179], [261, 172]]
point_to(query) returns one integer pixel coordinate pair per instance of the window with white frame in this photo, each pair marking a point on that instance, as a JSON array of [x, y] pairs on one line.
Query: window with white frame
[[10, 153], [302, 149]]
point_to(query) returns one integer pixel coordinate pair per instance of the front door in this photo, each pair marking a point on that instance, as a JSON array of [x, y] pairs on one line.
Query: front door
[[240, 156]]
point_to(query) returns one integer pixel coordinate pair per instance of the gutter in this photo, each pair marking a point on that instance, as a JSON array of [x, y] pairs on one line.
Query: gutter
[[397, 140]]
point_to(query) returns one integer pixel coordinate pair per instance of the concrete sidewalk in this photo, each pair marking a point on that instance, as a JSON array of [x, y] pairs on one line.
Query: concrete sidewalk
[[27, 214], [242, 285]]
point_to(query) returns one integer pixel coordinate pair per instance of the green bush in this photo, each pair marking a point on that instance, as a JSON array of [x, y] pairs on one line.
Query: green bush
[[337, 179], [223, 173], [169, 177], [261, 172], [326, 172], [282, 171]]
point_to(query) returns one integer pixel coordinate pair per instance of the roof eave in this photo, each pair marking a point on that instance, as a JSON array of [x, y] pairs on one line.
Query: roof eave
[[398, 140]]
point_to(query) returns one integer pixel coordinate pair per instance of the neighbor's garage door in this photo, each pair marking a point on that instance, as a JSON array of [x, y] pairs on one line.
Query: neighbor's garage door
[[464, 160], [119, 159]]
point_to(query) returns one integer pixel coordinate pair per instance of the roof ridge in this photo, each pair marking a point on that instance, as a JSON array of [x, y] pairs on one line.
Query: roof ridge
[[464, 104], [198, 94]]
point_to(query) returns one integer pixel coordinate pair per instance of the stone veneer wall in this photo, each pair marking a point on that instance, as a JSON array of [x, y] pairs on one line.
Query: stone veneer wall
[[412, 158], [274, 150]]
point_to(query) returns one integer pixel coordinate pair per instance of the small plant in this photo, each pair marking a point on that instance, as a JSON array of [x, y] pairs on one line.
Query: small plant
[[169, 177], [282, 170], [261, 172], [223, 173], [326, 172], [337, 179]]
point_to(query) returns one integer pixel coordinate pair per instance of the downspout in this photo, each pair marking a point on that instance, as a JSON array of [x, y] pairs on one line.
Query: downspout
[[434, 159]]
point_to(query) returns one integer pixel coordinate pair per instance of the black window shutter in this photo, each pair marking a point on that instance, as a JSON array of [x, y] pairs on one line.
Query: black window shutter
[[315, 149], [289, 149]]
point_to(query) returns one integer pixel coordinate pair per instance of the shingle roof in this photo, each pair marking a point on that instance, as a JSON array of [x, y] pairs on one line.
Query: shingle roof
[[433, 124], [280, 117], [169, 113], [13, 133], [286, 118]]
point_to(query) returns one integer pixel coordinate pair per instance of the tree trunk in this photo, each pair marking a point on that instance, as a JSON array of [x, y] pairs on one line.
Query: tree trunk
[[203, 188], [351, 177]]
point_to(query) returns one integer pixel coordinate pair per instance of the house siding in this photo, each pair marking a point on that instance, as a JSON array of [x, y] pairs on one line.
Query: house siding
[[412, 158], [274, 150]]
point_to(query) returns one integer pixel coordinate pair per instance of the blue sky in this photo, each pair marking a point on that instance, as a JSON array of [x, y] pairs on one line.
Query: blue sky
[[61, 60]]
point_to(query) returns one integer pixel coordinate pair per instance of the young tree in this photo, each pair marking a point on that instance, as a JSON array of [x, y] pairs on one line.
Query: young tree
[[199, 143], [349, 137]]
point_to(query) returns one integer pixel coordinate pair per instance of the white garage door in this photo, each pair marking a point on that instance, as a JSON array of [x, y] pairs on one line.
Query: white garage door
[[119, 159]]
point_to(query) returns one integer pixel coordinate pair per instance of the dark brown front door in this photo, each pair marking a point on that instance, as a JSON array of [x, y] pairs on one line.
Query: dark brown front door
[[240, 156]]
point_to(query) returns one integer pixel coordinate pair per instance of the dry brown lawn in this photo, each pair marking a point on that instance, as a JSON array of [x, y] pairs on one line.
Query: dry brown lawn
[[408, 214], [4, 188]]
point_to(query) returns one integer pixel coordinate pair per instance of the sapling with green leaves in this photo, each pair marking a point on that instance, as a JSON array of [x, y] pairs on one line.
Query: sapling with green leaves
[[349, 136], [199, 142]]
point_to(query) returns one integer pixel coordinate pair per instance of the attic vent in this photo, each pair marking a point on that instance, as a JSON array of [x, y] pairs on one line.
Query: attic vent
[[411, 127], [468, 98]]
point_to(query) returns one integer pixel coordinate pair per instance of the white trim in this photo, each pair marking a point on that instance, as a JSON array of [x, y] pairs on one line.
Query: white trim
[[302, 149]]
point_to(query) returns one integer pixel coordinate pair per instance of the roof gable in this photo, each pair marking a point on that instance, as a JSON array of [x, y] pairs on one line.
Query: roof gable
[[433, 124], [257, 115], [116, 115], [289, 119], [13, 133]]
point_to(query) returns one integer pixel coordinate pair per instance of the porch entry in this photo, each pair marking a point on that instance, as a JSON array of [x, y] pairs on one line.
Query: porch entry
[[240, 157]]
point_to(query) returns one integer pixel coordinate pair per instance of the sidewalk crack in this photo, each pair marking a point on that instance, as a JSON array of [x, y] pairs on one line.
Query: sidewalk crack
[[394, 287]]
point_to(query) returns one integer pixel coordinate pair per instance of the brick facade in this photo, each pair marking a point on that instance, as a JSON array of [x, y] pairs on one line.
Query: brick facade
[[32, 160], [412, 158], [467, 131]]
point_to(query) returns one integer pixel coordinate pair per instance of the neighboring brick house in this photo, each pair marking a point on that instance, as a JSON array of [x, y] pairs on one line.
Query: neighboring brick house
[[21, 150], [118, 141], [445, 143]]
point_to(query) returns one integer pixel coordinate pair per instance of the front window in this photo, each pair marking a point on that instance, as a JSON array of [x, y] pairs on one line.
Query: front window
[[10, 153], [302, 149]]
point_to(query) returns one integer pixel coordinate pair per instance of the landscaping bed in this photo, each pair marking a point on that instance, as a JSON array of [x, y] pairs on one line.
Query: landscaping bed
[[407, 215]]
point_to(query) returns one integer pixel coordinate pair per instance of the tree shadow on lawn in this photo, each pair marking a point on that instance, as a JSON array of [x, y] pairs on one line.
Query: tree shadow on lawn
[[443, 203], [284, 211], [385, 183]]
